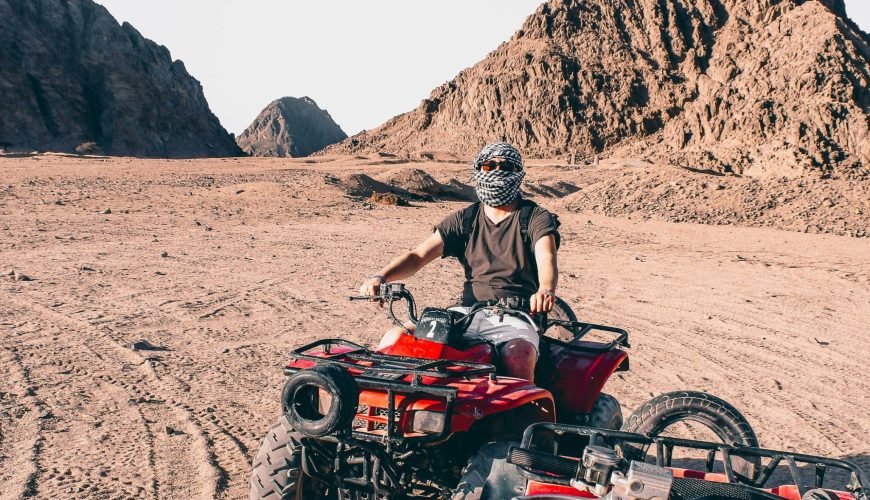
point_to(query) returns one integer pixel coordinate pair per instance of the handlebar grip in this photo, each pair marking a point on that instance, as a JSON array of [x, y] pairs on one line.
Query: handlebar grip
[[363, 297], [544, 462]]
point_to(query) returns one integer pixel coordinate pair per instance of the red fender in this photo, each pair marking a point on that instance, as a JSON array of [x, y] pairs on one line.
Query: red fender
[[576, 377]]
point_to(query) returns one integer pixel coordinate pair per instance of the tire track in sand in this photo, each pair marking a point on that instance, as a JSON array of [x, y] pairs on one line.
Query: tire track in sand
[[21, 428], [179, 436]]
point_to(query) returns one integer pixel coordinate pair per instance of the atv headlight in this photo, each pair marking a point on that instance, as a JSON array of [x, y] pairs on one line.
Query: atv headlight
[[430, 422]]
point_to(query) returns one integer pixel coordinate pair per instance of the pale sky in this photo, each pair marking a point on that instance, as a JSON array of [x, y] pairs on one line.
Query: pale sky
[[363, 61]]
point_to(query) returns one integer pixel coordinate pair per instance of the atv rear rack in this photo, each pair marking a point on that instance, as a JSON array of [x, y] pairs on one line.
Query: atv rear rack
[[552, 468], [581, 329]]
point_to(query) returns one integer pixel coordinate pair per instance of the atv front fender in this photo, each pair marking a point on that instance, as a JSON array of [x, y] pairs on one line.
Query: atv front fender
[[483, 397]]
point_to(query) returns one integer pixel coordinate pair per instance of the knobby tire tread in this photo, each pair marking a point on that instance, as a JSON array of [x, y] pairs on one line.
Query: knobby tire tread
[[279, 456], [652, 417]]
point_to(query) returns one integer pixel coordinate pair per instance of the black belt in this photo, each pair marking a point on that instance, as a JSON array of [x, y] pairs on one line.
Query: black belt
[[515, 303]]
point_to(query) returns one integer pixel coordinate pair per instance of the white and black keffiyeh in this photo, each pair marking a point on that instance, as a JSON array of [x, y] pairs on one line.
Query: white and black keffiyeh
[[499, 150], [498, 188]]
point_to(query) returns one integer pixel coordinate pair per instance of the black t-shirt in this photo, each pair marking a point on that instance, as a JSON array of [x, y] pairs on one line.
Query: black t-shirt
[[497, 263]]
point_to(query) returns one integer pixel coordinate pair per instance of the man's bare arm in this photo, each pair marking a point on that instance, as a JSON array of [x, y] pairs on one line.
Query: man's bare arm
[[407, 264], [548, 274]]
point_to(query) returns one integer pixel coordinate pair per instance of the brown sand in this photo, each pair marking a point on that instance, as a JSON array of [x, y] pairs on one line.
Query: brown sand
[[259, 257]]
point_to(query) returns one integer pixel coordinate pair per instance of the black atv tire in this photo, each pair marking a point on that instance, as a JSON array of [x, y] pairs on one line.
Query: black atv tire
[[660, 412], [489, 476], [300, 405], [820, 494], [562, 312], [277, 468], [606, 413]]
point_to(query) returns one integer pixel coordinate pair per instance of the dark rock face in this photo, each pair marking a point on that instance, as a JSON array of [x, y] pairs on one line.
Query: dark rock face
[[70, 74], [290, 127], [754, 86]]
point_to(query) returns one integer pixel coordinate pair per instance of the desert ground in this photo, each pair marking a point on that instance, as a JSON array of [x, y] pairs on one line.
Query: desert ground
[[226, 265]]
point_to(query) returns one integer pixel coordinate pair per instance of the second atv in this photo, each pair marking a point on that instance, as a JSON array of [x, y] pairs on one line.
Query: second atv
[[676, 469]]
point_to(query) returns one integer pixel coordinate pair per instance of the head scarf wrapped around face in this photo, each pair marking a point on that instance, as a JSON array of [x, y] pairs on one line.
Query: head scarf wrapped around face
[[498, 188]]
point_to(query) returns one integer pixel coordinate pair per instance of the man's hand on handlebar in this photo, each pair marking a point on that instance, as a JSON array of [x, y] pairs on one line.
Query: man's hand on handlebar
[[371, 287], [542, 301]]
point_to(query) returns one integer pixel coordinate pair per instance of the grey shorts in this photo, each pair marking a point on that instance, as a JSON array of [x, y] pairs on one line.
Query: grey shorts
[[486, 325]]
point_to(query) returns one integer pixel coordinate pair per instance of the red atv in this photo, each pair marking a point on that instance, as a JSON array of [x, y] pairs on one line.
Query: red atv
[[404, 420], [615, 465]]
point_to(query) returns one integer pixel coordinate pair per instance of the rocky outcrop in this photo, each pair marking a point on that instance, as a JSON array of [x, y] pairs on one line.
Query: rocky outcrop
[[753, 86], [70, 74], [290, 127]]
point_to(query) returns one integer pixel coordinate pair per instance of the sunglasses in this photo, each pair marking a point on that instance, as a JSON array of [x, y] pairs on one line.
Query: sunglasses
[[503, 165]]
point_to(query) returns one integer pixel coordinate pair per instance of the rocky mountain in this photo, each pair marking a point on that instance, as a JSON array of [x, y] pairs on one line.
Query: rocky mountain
[[70, 74], [750, 86], [290, 127]]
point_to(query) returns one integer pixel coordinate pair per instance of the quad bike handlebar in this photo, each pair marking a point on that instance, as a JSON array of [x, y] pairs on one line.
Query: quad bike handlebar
[[390, 293], [393, 292]]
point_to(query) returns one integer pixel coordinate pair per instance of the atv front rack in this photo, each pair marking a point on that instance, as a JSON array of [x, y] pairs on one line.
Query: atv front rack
[[390, 374], [373, 462], [374, 364], [551, 468]]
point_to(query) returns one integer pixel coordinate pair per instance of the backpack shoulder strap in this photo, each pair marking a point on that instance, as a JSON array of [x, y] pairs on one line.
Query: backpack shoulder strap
[[458, 245], [526, 208], [469, 214]]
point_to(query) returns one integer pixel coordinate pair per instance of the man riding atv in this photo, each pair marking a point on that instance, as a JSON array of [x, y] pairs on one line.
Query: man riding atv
[[403, 420], [507, 246], [426, 415]]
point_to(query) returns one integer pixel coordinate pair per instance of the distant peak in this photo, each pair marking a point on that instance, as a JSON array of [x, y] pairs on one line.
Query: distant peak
[[293, 100], [290, 126]]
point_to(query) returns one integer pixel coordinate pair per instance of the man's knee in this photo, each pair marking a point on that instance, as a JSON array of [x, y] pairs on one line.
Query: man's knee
[[519, 349], [392, 336], [518, 358]]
